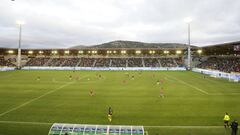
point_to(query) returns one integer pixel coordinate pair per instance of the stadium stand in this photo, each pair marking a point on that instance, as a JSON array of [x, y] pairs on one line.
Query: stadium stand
[[225, 64], [37, 61], [4, 62], [151, 62], [71, 62], [118, 62], [222, 57], [87, 62], [135, 62], [168, 62], [106, 62], [102, 62]]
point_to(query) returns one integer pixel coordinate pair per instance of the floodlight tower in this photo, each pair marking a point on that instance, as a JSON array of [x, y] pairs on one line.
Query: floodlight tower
[[188, 20], [19, 23]]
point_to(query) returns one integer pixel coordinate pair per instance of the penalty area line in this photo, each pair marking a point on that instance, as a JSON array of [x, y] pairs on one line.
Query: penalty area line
[[192, 86]]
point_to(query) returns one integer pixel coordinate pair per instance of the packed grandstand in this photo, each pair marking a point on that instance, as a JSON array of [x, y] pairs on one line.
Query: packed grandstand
[[222, 57]]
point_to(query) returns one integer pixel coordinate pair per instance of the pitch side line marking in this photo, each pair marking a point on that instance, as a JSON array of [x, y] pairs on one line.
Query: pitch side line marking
[[224, 94], [22, 122], [196, 88], [187, 127], [34, 99], [49, 123]]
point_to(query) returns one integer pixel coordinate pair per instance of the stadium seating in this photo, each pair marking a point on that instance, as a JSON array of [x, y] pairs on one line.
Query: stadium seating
[[37, 61], [4, 62], [225, 64], [102, 62], [106, 62], [71, 62], [119, 62], [151, 62]]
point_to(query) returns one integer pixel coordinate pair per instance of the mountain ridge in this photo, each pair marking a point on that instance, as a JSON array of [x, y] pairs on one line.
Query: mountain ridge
[[132, 44]]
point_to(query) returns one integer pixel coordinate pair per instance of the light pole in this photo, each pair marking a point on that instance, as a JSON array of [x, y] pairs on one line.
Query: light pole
[[19, 23], [188, 21]]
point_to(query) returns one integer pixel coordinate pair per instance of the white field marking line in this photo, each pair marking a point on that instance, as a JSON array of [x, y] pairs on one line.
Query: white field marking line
[[186, 127], [169, 79], [54, 81], [218, 94], [34, 99], [22, 122], [225, 94], [196, 88], [49, 123], [104, 78]]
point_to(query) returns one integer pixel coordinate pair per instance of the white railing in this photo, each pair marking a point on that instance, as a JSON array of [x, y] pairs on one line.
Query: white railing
[[218, 74], [7, 68]]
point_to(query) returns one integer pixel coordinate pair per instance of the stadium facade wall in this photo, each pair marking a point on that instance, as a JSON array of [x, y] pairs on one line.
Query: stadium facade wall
[[218, 74], [106, 68]]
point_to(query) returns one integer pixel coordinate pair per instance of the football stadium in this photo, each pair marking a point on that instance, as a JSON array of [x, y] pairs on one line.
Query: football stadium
[[121, 87]]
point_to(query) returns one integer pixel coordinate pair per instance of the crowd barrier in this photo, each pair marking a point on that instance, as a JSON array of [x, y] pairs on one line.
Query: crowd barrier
[[218, 74], [6, 68], [105, 68]]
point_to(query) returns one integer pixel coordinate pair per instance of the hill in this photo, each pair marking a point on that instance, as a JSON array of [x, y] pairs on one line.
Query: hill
[[133, 44]]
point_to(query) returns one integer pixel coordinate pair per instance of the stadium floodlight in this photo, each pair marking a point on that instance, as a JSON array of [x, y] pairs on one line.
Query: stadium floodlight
[[138, 52], [80, 52], [30, 52], [54, 52], [123, 52], [188, 20], [166, 52], [152, 52], [40, 52], [178, 52], [114, 51], [66, 52], [199, 51], [19, 23], [94, 52], [10, 51]]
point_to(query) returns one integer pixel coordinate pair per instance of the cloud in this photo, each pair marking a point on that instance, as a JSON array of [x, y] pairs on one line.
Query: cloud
[[64, 23]]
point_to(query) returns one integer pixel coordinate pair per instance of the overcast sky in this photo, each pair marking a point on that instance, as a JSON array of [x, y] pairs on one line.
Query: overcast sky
[[64, 23]]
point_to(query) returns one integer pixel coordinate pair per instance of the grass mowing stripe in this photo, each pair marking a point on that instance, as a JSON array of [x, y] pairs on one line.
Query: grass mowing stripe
[[34, 99], [192, 86]]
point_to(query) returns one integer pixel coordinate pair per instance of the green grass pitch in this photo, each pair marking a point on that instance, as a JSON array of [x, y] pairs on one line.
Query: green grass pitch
[[192, 105]]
